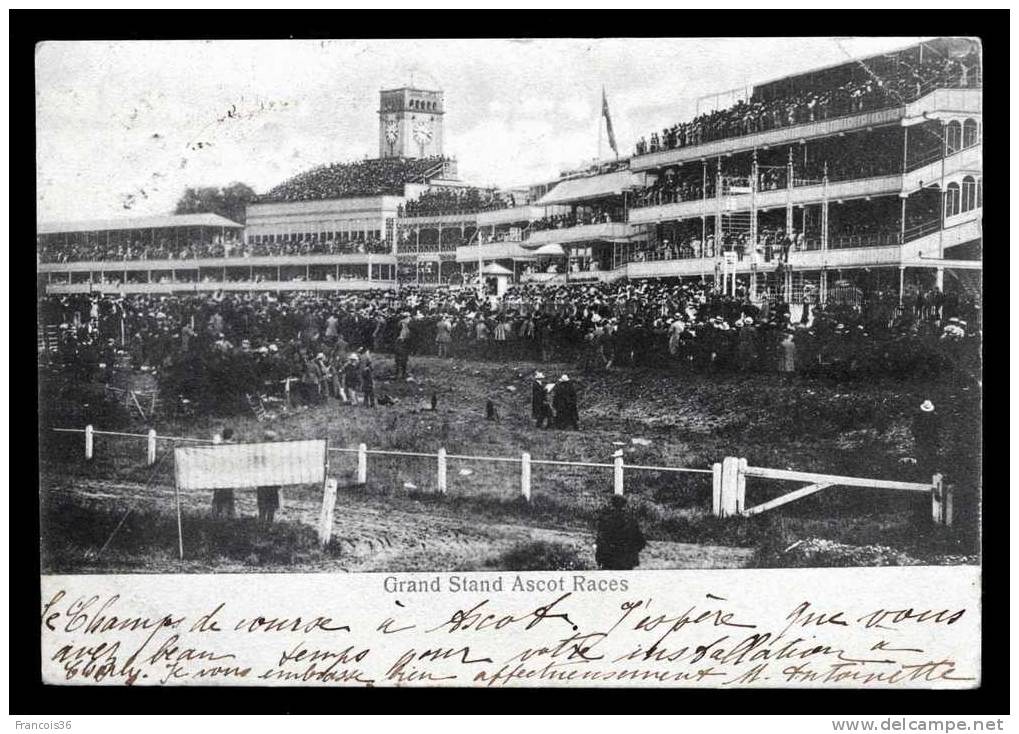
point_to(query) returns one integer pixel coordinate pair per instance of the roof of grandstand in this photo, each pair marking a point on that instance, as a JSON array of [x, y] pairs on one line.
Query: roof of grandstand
[[577, 189], [371, 177], [207, 219]]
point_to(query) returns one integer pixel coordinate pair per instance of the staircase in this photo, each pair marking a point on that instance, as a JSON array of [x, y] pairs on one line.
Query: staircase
[[48, 338]]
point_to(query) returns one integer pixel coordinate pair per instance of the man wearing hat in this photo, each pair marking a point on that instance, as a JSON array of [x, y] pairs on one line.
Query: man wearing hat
[[927, 436], [401, 351], [564, 403], [540, 410], [268, 497]]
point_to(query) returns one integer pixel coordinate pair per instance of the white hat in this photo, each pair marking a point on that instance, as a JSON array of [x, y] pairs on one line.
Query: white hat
[[564, 378], [927, 406], [539, 375]]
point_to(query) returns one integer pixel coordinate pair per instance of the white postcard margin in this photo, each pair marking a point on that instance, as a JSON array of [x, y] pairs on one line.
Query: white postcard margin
[[874, 628]]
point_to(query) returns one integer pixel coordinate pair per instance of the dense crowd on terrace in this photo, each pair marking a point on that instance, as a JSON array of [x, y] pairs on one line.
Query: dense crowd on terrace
[[811, 105], [373, 177], [442, 201], [218, 348], [341, 243], [854, 156]]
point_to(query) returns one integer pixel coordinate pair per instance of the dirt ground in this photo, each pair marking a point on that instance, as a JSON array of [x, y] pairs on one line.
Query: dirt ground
[[656, 416]]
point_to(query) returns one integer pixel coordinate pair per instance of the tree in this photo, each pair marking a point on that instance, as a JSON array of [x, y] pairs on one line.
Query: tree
[[230, 201]]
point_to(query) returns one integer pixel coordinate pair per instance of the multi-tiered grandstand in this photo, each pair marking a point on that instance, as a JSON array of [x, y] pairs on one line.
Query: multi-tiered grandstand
[[868, 172]]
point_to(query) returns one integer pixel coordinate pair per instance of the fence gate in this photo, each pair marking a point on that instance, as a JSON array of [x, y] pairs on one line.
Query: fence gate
[[730, 489]]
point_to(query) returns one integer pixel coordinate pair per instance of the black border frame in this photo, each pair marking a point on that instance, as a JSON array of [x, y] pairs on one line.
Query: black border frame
[[29, 696]]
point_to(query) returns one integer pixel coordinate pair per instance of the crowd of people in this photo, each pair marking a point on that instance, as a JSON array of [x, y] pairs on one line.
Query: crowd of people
[[340, 243], [220, 350], [373, 177], [580, 216], [810, 105], [442, 201]]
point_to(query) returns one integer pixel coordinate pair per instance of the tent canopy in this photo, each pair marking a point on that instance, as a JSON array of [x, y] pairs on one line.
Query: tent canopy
[[592, 187], [551, 250], [495, 269]]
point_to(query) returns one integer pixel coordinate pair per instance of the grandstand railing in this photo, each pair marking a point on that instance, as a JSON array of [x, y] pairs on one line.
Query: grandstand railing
[[911, 106]]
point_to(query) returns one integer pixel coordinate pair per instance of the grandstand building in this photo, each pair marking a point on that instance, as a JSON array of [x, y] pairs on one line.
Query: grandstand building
[[866, 173]]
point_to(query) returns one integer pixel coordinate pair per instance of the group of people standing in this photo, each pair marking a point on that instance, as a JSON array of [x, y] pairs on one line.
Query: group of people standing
[[554, 404]]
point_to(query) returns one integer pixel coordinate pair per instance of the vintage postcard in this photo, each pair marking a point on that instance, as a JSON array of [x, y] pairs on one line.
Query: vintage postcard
[[636, 362]]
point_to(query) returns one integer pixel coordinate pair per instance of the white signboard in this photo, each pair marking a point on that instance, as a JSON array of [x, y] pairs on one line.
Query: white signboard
[[248, 465]]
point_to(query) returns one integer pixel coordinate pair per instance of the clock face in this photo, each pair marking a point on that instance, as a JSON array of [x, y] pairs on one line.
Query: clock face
[[392, 131], [422, 132]]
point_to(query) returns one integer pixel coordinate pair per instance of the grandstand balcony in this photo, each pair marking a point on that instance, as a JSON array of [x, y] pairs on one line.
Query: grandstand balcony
[[213, 285], [494, 251], [813, 193], [601, 231], [512, 215], [431, 221], [936, 103], [115, 266], [968, 161]]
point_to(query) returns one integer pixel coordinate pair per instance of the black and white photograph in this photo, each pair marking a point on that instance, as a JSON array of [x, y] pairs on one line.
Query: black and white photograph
[[509, 305]]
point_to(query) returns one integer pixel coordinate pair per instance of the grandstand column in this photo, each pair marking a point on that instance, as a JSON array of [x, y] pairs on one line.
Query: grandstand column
[[824, 209], [902, 222], [718, 212], [902, 282], [789, 192], [940, 279], [753, 204]]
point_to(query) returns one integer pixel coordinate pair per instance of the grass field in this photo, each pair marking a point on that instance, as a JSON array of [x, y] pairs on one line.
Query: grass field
[[398, 521]]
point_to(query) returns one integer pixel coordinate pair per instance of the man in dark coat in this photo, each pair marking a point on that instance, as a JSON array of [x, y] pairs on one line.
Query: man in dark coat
[[564, 403], [539, 406], [927, 435], [619, 539]]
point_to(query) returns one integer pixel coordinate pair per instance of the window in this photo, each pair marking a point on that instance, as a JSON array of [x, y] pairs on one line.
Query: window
[[952, 200], [969, 193], [953, 137], [969, 133]]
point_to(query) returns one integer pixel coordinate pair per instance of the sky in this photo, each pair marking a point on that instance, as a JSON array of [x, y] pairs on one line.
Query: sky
[[124, 127]]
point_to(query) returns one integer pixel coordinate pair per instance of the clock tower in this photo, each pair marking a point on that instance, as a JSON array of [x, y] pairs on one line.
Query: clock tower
[[410, 123]]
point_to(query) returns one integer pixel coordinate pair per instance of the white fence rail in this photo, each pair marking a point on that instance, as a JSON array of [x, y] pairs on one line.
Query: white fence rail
[[728, 477]]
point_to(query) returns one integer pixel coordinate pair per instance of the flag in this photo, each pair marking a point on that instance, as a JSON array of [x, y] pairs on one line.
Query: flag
[[608, 121]]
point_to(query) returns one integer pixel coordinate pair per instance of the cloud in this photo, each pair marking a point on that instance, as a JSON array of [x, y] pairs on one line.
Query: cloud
[[113, 118]]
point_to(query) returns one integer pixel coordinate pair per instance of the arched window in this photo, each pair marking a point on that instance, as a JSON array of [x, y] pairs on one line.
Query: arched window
[[969, 193], [953, 137], [952, 199], [969, 133]]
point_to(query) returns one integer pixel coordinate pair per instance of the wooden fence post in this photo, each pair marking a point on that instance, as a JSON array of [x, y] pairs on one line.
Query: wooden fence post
[[325, 521], [941, 501], [525, 475], [442, 471], [362, 463], [729, 495], [88, 442], [741, 485], [617, 472], [716, 490], [152, 447]]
